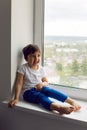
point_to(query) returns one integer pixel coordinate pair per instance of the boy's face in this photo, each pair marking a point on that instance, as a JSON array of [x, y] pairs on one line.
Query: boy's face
[[34, 59]]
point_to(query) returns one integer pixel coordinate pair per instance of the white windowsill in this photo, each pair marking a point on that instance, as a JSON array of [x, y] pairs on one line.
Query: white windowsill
[[74, 116]]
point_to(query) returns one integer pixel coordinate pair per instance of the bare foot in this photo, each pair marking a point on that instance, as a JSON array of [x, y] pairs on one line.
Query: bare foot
[[76, 106], [65, 109], [62, 109]]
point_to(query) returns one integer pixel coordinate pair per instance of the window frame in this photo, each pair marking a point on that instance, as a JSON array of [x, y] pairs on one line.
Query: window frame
[[39, 40]]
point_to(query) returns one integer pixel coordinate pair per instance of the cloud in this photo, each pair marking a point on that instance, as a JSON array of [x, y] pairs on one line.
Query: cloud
[[66, 9], [66, 17]]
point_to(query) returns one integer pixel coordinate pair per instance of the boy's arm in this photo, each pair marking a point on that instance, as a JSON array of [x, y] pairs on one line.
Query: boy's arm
[[44, 79], [43, 83], [18, 87]]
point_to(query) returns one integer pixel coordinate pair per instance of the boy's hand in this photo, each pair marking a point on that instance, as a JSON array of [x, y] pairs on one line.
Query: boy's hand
[[38, 86], [13, 102]]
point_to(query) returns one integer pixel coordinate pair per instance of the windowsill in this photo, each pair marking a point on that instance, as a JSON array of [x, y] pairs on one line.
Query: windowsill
[[79, 116]]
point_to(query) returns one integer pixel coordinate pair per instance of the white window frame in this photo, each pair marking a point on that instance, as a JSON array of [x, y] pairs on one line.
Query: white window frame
[[39, 39]]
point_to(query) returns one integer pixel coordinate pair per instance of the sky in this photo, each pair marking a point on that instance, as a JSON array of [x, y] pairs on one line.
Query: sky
[[66, 17]]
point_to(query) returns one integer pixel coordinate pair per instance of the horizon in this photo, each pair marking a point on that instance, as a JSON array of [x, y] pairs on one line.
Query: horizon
[[65, 38]]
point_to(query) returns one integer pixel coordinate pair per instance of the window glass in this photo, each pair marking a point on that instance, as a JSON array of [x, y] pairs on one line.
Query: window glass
[[65, 42]]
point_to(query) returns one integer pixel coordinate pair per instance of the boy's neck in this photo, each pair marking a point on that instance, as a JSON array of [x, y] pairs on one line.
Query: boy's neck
[[34, 67]]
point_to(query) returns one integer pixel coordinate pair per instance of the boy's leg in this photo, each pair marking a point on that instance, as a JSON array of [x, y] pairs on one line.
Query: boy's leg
[[37, 97], [49, 105], [50, 92], [34, 96]]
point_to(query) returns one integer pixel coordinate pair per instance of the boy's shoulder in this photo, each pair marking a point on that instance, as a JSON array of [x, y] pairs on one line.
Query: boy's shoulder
[[25, 64], [22, 65]]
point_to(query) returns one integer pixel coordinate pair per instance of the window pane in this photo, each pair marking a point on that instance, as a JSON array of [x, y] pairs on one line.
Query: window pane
[[65, 42]]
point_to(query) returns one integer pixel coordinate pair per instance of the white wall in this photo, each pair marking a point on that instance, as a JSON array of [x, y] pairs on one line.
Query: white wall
[[21, 31], [16, 30]]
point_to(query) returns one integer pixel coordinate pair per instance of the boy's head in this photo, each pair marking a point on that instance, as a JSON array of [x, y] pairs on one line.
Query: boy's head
[[30, 49]]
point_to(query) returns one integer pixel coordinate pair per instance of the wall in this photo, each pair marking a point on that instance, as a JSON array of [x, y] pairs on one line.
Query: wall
[[5, 48], [21, 31], [16, 30]]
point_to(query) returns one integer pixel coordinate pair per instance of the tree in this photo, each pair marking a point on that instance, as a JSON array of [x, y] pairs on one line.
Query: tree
[[75, 67], [59, 66], [84, 67]]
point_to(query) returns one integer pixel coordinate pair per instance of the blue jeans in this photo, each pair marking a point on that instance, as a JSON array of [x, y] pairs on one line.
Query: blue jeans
[[42, 97]]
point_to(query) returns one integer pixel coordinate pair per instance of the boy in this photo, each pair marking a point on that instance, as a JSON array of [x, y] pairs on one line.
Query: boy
[[34, 86]]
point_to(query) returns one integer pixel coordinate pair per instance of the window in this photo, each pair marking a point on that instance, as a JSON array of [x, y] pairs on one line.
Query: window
[[44, 28], [65, 42]]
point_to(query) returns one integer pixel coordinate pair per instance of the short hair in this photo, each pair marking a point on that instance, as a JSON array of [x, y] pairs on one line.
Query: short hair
[[30, 49]]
